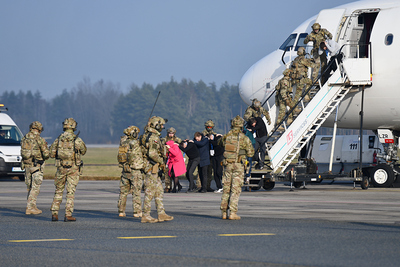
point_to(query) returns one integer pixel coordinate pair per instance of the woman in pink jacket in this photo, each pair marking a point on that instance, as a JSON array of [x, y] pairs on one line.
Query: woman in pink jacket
[[176, 164]]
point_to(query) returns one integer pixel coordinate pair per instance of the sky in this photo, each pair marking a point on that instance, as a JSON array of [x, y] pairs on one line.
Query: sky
[[48, 45]]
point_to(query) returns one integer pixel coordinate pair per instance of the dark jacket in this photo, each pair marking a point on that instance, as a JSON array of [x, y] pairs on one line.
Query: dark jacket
[[259, 129], [191, 150], [219, 150], [204, 151]]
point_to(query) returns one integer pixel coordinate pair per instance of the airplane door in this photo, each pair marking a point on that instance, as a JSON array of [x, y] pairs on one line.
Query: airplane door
[[331, 19]]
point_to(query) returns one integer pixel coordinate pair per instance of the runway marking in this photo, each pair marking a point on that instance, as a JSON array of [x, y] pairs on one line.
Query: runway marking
[[39, 240], [245, 234], [145, 237]]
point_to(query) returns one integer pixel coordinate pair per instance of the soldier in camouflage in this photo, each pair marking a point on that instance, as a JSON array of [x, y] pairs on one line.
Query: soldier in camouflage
[[67, 149], [317, 36], [154, 150], [34, 152], [237, 147], [299, 75], [130, 159], [256, 110], [283, 98], [171, 135]]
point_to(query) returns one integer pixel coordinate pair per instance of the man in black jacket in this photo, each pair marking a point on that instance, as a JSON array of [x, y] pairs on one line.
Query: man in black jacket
[[194, 160], [216, 157], [257, 125]]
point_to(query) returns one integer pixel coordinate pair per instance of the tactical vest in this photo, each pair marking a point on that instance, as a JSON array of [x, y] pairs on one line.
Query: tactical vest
[[135, 156], [30, 149], [231, 153], [123, 148], [66, 150]]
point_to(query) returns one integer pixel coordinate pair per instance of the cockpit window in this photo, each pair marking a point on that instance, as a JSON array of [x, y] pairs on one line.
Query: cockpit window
[[300, 42], [289, 42]]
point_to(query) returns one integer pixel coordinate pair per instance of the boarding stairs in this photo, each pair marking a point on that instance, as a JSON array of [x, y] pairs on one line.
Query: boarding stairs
[[282, 148]]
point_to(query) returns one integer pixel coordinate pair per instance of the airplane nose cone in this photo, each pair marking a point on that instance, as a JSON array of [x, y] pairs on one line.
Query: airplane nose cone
[[246, 86], [260, 79]]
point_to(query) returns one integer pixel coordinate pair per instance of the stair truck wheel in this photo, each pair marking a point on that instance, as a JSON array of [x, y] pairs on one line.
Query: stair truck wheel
[[382, 176]]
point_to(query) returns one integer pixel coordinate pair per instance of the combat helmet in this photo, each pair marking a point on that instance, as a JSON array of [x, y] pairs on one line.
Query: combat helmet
[[209, 125], [171, 130], [157, 123], [36, 125], [286, 72], [301, 51], [256, 103], [237, 122], [132, 131], [69, 123], [316, 26]]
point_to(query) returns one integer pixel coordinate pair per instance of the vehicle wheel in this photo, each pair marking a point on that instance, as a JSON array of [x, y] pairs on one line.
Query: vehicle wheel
[[365, 182], [21, 178], [254, 182], [268, 185], [382, 176]]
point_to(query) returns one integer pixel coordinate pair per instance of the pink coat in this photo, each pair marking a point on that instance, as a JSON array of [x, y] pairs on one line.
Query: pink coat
[[175, 159]]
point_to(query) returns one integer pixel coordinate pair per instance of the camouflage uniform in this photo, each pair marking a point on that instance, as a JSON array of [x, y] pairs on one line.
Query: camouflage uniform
[[34, 152], [299, 75], [282, 96], [67, 149], [130, 159], [153, 186], [317, 36], [256, 110], [237, 147], [167, 180]]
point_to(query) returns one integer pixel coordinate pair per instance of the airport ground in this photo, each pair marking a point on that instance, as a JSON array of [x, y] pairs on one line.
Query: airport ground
[[323, 225]]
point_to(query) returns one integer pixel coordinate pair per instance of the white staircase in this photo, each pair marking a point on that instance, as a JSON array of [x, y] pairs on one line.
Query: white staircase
[[282, 152]]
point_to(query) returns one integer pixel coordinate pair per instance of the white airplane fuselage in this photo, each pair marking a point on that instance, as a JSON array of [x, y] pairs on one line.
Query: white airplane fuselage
[[381, 99]]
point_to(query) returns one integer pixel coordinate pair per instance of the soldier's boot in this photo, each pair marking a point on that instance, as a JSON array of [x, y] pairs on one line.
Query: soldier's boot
[[146, 218], [289, 121], [122, 214], [234, 216], [297, 110], [164, 217], [138, 214], [33, 211], [69, 219], [306, 98], [224, 215], [54, 217], [167, 190]]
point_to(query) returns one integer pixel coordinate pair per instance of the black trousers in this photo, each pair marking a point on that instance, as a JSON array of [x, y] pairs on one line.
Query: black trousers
[[203, 177], [191, 166], [218, 169]]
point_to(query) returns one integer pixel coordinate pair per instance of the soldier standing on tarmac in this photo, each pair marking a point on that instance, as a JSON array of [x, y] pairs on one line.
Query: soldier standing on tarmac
[[283, 98], [171, 135], [237, 147], [67, 149], [153, 186], [34, 152], [256, 110], [130, 159]]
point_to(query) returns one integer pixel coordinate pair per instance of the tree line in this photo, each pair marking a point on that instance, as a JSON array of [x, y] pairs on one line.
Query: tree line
[[103, 111]]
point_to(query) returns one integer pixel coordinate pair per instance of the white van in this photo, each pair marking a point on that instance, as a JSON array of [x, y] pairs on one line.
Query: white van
[[10, 146]]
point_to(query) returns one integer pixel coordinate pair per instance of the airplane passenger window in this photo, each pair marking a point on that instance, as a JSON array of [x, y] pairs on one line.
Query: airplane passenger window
[[289, 42], [389, 39]]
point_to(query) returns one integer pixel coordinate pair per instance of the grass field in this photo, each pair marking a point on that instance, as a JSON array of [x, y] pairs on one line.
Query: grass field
[[99, 163]]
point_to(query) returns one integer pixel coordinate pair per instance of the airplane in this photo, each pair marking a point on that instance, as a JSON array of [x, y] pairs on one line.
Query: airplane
[[366, 29]]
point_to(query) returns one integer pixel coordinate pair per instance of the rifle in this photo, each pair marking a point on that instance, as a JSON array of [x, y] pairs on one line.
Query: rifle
[[151, 113]]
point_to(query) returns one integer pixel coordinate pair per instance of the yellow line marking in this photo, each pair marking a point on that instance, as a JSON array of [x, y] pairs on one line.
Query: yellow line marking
[[38, 240], [245, 234], [144, 237]]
